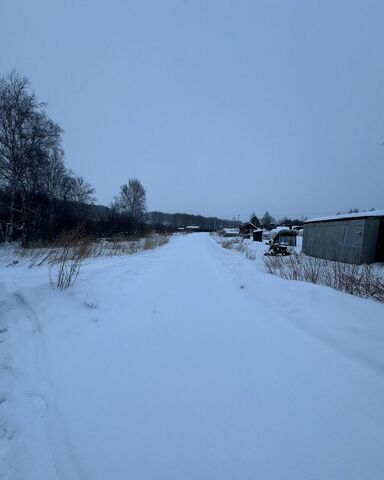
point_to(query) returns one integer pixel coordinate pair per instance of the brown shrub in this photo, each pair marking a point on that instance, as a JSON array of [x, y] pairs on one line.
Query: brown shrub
[[66, 260], [363, 280]]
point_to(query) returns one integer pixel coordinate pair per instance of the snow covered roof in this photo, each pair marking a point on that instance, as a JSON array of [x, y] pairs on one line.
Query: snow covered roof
[[272, 233], [231, 230], [279, 229], [373, 213], [248, 223]]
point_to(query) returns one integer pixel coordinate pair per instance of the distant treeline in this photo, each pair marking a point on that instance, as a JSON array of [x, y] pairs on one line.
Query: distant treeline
[[177, 220], [50, 216]]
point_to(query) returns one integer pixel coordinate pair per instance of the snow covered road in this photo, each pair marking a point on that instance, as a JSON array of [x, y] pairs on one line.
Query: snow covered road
[[190, 362]]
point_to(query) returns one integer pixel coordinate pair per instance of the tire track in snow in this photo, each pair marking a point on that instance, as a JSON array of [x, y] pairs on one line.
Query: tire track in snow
[[9, 438], [40, 395]]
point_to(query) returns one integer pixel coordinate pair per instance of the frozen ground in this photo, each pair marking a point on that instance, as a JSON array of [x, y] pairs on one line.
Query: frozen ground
[[187, 362]]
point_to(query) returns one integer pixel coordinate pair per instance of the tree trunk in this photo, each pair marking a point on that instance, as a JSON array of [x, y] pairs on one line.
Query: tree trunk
[[51, 216], [11, 223], [24, 221], [2, 234]]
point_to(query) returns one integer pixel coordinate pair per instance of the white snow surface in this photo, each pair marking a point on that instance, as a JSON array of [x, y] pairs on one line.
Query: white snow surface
[[187, 362]]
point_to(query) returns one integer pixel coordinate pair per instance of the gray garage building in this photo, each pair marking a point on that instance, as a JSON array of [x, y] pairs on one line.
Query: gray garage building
[[351, 238]]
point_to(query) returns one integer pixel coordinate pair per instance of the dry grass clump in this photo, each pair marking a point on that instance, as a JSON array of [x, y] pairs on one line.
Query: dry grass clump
[[66, 259], [239, 245], [39, 256], [362, 280], [67, 254], [129, 247], [155, 241], [121, 246], [231, 244]]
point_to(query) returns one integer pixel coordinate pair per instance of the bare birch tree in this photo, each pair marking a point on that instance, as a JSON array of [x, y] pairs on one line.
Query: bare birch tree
[[131, 200]]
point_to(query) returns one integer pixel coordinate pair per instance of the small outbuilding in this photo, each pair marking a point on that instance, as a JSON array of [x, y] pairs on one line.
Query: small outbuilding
[[257, 235], [247, 229], [351, 238], [192, 228], [229, 232]]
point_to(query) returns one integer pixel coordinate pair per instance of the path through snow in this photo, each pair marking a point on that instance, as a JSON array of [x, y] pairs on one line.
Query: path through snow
[[189, 362]]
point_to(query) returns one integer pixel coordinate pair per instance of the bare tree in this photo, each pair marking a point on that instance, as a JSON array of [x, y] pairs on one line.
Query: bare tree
[[132, 199], [17, 107], [77, 189], [32, 170], [31, 156], [28, 141]]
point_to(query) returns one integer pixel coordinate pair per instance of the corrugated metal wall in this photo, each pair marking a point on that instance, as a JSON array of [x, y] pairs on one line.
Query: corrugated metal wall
[[349, 240]]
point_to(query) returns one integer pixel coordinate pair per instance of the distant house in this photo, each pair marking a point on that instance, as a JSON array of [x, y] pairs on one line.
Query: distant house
[[192, 228], [229, 232], [352, 238], [247, 229]]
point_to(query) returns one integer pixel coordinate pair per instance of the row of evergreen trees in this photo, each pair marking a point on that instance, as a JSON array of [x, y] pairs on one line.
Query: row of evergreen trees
[[176, 220]]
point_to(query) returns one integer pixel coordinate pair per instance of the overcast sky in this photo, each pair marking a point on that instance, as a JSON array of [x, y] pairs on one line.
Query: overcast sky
[[219, 107]]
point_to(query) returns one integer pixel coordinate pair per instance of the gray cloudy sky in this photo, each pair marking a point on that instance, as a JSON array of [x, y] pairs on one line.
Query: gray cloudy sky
[[220, 107]]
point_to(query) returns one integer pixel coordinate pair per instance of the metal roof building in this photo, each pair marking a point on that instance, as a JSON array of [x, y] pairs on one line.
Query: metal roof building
[[351, 238]]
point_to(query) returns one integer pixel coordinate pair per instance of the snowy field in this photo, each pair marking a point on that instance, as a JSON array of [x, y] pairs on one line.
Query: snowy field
[[187, 362]]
